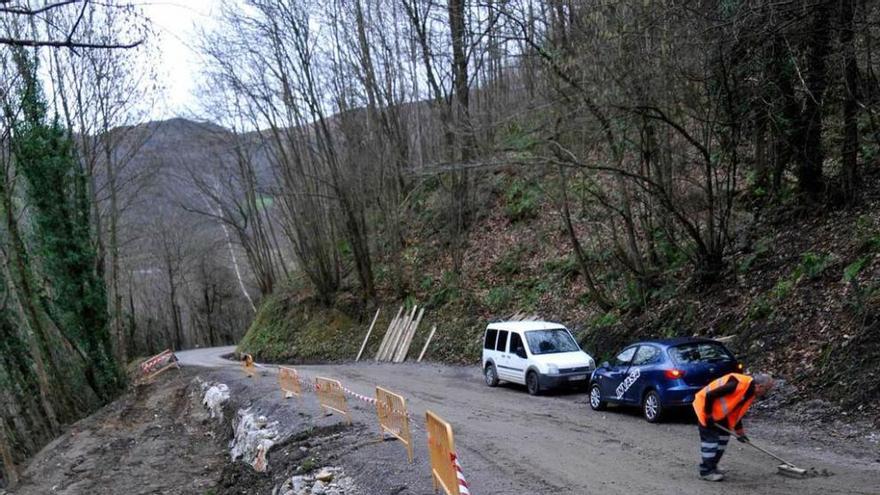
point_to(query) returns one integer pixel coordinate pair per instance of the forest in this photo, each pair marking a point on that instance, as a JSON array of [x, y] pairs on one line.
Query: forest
[[657, 135]]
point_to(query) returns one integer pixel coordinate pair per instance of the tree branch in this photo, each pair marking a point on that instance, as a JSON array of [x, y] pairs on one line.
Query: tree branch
[[68, 44]]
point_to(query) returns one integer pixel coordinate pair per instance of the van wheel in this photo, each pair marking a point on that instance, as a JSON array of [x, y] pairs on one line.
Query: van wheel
[[491, 375], [651, 407], [532, 383], [596, 402]]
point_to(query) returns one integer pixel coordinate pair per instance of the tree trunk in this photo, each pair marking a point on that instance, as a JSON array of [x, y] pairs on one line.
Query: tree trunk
[[850, 145]]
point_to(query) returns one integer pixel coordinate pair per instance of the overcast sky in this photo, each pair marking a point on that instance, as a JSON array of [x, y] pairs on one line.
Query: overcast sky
[[177, 23]]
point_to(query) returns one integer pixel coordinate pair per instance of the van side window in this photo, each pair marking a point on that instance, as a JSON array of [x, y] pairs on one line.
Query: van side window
[[490, 339], [502, 341], [515, 341]]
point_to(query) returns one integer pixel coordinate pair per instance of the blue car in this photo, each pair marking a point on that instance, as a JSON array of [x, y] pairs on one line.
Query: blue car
[[660, 374]]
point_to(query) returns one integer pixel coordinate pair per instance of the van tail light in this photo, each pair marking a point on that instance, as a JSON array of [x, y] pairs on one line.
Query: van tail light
[[674, 374]]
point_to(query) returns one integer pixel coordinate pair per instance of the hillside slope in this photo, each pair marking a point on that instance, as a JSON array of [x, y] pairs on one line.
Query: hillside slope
[[799, 297]]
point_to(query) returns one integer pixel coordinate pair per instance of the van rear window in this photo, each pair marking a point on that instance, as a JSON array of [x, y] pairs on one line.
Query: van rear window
[[489, 343], [700, 352]]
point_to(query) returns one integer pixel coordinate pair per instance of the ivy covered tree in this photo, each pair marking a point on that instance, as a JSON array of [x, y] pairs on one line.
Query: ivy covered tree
[[56, 192]]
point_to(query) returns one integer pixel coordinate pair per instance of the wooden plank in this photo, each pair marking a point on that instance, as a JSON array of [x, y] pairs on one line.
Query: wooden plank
[[427, 343], [392, 330], [387, 336], [358, 358], [407, 339], [398, 335]]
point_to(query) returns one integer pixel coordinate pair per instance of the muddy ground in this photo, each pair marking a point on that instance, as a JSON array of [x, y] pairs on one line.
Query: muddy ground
[[158, 439]]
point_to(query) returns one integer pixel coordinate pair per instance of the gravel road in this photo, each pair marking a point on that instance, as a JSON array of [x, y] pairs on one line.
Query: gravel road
[[512, 443]]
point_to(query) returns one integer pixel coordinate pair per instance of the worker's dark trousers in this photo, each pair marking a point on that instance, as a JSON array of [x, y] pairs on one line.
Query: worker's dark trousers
[[712, 444]]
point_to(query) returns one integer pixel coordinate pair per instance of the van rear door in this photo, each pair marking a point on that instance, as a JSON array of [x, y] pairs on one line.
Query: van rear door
[[518, 360]]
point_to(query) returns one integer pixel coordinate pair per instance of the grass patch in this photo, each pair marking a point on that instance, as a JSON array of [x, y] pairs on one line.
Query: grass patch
[[285, 330]]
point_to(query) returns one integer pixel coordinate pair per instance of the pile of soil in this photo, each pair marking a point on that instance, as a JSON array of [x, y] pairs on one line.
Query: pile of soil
[[130, 445]]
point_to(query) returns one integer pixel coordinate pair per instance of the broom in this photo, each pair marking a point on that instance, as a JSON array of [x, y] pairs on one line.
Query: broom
[[785, 469]]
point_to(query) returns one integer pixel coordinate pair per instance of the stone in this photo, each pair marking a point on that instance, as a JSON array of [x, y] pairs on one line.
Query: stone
[[318, 488], [324, 475]]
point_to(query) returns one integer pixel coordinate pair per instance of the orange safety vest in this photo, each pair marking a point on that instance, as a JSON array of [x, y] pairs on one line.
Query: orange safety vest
[[732, 407]]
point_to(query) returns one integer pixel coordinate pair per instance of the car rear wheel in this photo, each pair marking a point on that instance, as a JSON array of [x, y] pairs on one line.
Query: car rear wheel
[[532, 383], [596, 402], [491, 375], [652, 409]]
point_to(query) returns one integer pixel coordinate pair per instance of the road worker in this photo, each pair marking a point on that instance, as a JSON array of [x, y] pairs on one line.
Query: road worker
[[724, 402]]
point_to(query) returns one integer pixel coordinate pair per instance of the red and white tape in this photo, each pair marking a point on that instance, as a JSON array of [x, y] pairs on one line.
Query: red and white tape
[[463, 488], [363, 398]]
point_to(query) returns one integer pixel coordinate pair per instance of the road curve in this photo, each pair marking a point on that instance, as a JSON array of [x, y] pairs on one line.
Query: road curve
[[556, 444]]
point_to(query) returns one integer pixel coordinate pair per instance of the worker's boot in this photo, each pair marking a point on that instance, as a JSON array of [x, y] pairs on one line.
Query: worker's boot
[[713, 476]]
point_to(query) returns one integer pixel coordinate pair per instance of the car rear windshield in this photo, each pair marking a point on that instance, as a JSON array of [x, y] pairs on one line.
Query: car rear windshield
[[551, 341], [700, 352]]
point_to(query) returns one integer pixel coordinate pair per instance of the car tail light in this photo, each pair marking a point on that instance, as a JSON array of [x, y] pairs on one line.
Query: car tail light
[[674, 374], [739, 366]]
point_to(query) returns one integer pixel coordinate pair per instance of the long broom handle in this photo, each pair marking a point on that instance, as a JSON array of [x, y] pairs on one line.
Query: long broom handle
[[771, 454]]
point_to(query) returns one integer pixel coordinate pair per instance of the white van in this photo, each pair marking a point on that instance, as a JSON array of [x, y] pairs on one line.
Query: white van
[[537, 354]]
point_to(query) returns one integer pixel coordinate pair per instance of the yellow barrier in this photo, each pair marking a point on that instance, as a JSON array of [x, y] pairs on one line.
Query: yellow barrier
[[288, 380], [391, 409], [248, 366], [441, 446], [331, 396]]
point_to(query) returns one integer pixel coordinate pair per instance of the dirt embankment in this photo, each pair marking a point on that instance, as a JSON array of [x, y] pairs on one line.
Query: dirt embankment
[[154, 439]]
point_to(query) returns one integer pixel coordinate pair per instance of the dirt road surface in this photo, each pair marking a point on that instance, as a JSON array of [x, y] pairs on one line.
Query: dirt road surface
[[510, 442]]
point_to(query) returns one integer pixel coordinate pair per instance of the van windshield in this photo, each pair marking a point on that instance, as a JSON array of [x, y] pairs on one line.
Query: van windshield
[[551, 341]]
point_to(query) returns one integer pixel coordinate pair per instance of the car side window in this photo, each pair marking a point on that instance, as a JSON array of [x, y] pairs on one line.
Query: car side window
[[502, 341], [647, 354], [515, 342], [491, 335], [625, 357]]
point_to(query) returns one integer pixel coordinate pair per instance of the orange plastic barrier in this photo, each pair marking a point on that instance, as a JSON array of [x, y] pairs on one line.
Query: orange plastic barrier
[[441, 446], [393, 418], [248, 366], [288, 380], [331, 396]]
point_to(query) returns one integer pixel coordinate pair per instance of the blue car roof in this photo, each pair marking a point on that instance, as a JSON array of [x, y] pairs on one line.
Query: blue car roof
[[673, 341]]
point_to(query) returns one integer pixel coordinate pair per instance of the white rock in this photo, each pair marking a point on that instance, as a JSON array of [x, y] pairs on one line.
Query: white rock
[[324, 475], [252, 442], [215, 397]]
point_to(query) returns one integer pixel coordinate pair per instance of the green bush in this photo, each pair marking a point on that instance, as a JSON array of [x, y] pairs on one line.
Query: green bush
[[564, 267], [522, 200], [813, 265], [510, 263], [760, 308], [852, 270], [783, 289], [514, 137], [762, 248], [606, 320], [448, 290], [867, 234], [499, 298]]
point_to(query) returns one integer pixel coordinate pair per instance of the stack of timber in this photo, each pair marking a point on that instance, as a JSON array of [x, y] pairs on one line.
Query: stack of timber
[[399, 336]]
